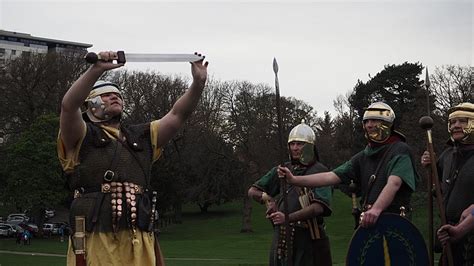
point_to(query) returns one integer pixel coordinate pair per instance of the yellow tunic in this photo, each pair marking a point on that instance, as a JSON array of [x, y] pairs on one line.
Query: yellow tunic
[[109, 248]]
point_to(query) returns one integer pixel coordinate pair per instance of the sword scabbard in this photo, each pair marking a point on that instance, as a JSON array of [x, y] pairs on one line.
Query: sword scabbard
[[79, 240]]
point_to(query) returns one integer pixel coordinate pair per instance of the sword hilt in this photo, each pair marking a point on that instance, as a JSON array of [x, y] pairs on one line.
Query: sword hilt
[[92, 57]]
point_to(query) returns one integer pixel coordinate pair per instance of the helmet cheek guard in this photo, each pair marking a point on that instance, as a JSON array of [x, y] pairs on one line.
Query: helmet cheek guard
[[307, 154], [95, 107], [381, 134]]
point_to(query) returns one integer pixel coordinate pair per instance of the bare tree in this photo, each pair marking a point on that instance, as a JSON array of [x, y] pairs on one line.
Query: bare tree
[[33, 85], [451, 85]]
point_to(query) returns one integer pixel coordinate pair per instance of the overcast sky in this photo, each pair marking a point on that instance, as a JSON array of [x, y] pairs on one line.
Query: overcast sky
[[322, 47]]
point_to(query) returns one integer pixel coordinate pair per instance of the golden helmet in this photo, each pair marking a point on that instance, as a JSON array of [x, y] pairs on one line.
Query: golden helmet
[[379, 111], [384, 113], [463, 110]]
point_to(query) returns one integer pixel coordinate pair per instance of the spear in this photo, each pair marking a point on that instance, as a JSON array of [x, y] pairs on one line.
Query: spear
[[429, 181], [283, 184], [426, 122]]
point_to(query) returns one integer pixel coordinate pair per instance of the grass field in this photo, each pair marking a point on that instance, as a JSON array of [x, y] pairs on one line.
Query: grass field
[[213, 238]]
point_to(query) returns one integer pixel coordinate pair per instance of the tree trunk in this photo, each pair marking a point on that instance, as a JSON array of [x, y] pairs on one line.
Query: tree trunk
[[204, 207], [178, 213], [246, 216]]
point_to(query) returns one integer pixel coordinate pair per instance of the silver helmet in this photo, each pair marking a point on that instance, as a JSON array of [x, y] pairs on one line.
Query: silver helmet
[[95, 108], [304, 133]]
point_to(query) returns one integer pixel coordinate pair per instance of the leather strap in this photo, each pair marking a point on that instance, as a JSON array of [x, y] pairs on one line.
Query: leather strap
[[373, 177]]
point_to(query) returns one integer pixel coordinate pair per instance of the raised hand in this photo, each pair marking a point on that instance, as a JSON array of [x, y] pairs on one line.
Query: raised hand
[[106, 61], [199, 69]]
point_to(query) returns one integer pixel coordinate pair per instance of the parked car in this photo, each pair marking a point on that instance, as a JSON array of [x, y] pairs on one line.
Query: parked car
[[17, 218], [12, 228], [4, 231], [65, 226], [49, 213], [49, 228]]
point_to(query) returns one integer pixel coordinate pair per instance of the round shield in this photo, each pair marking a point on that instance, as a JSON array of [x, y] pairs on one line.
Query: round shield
[[392, 241]]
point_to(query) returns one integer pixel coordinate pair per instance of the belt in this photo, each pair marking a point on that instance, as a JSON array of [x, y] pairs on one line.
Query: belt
[[301, 224], [110, 187]]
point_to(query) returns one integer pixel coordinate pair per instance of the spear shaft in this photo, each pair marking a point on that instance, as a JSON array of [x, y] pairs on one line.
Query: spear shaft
[[429, 181], [283, 184], [426, 123]]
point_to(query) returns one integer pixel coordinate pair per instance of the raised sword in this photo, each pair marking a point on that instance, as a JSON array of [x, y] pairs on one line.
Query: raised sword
[[123, 57]]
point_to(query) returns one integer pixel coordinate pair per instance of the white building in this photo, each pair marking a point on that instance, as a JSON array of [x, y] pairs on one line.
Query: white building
[[13, 44]]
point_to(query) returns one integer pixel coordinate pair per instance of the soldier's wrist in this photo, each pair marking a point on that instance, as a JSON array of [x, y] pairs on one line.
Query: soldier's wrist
[[264, 197]]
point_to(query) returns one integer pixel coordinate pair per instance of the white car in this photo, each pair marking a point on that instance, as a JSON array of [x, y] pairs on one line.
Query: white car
[[4, 232], [17, 218], [11, 228], [49, 213], [50, 228]]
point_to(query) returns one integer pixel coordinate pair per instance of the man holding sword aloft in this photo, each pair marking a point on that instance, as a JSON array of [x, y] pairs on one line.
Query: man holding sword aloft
[[107, 165]]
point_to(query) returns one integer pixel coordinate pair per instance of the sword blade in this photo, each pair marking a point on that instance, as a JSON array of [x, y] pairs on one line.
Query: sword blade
[[130, 57], [122, 57]]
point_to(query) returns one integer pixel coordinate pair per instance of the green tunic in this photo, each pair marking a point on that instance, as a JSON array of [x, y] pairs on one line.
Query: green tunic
[[397, 161], [306, 251]]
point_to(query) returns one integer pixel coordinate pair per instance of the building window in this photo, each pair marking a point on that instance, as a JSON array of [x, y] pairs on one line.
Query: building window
[[13, 52]]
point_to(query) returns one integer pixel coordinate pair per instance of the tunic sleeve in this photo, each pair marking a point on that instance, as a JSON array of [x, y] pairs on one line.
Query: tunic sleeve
[[402, 166], [269, 183], [154, 125]]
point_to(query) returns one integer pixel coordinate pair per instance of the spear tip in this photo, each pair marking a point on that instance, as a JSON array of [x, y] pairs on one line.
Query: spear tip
[[427, 79], [275, 65]]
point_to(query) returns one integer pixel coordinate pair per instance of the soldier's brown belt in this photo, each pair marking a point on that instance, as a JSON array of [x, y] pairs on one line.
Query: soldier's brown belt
[[111, 187]]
